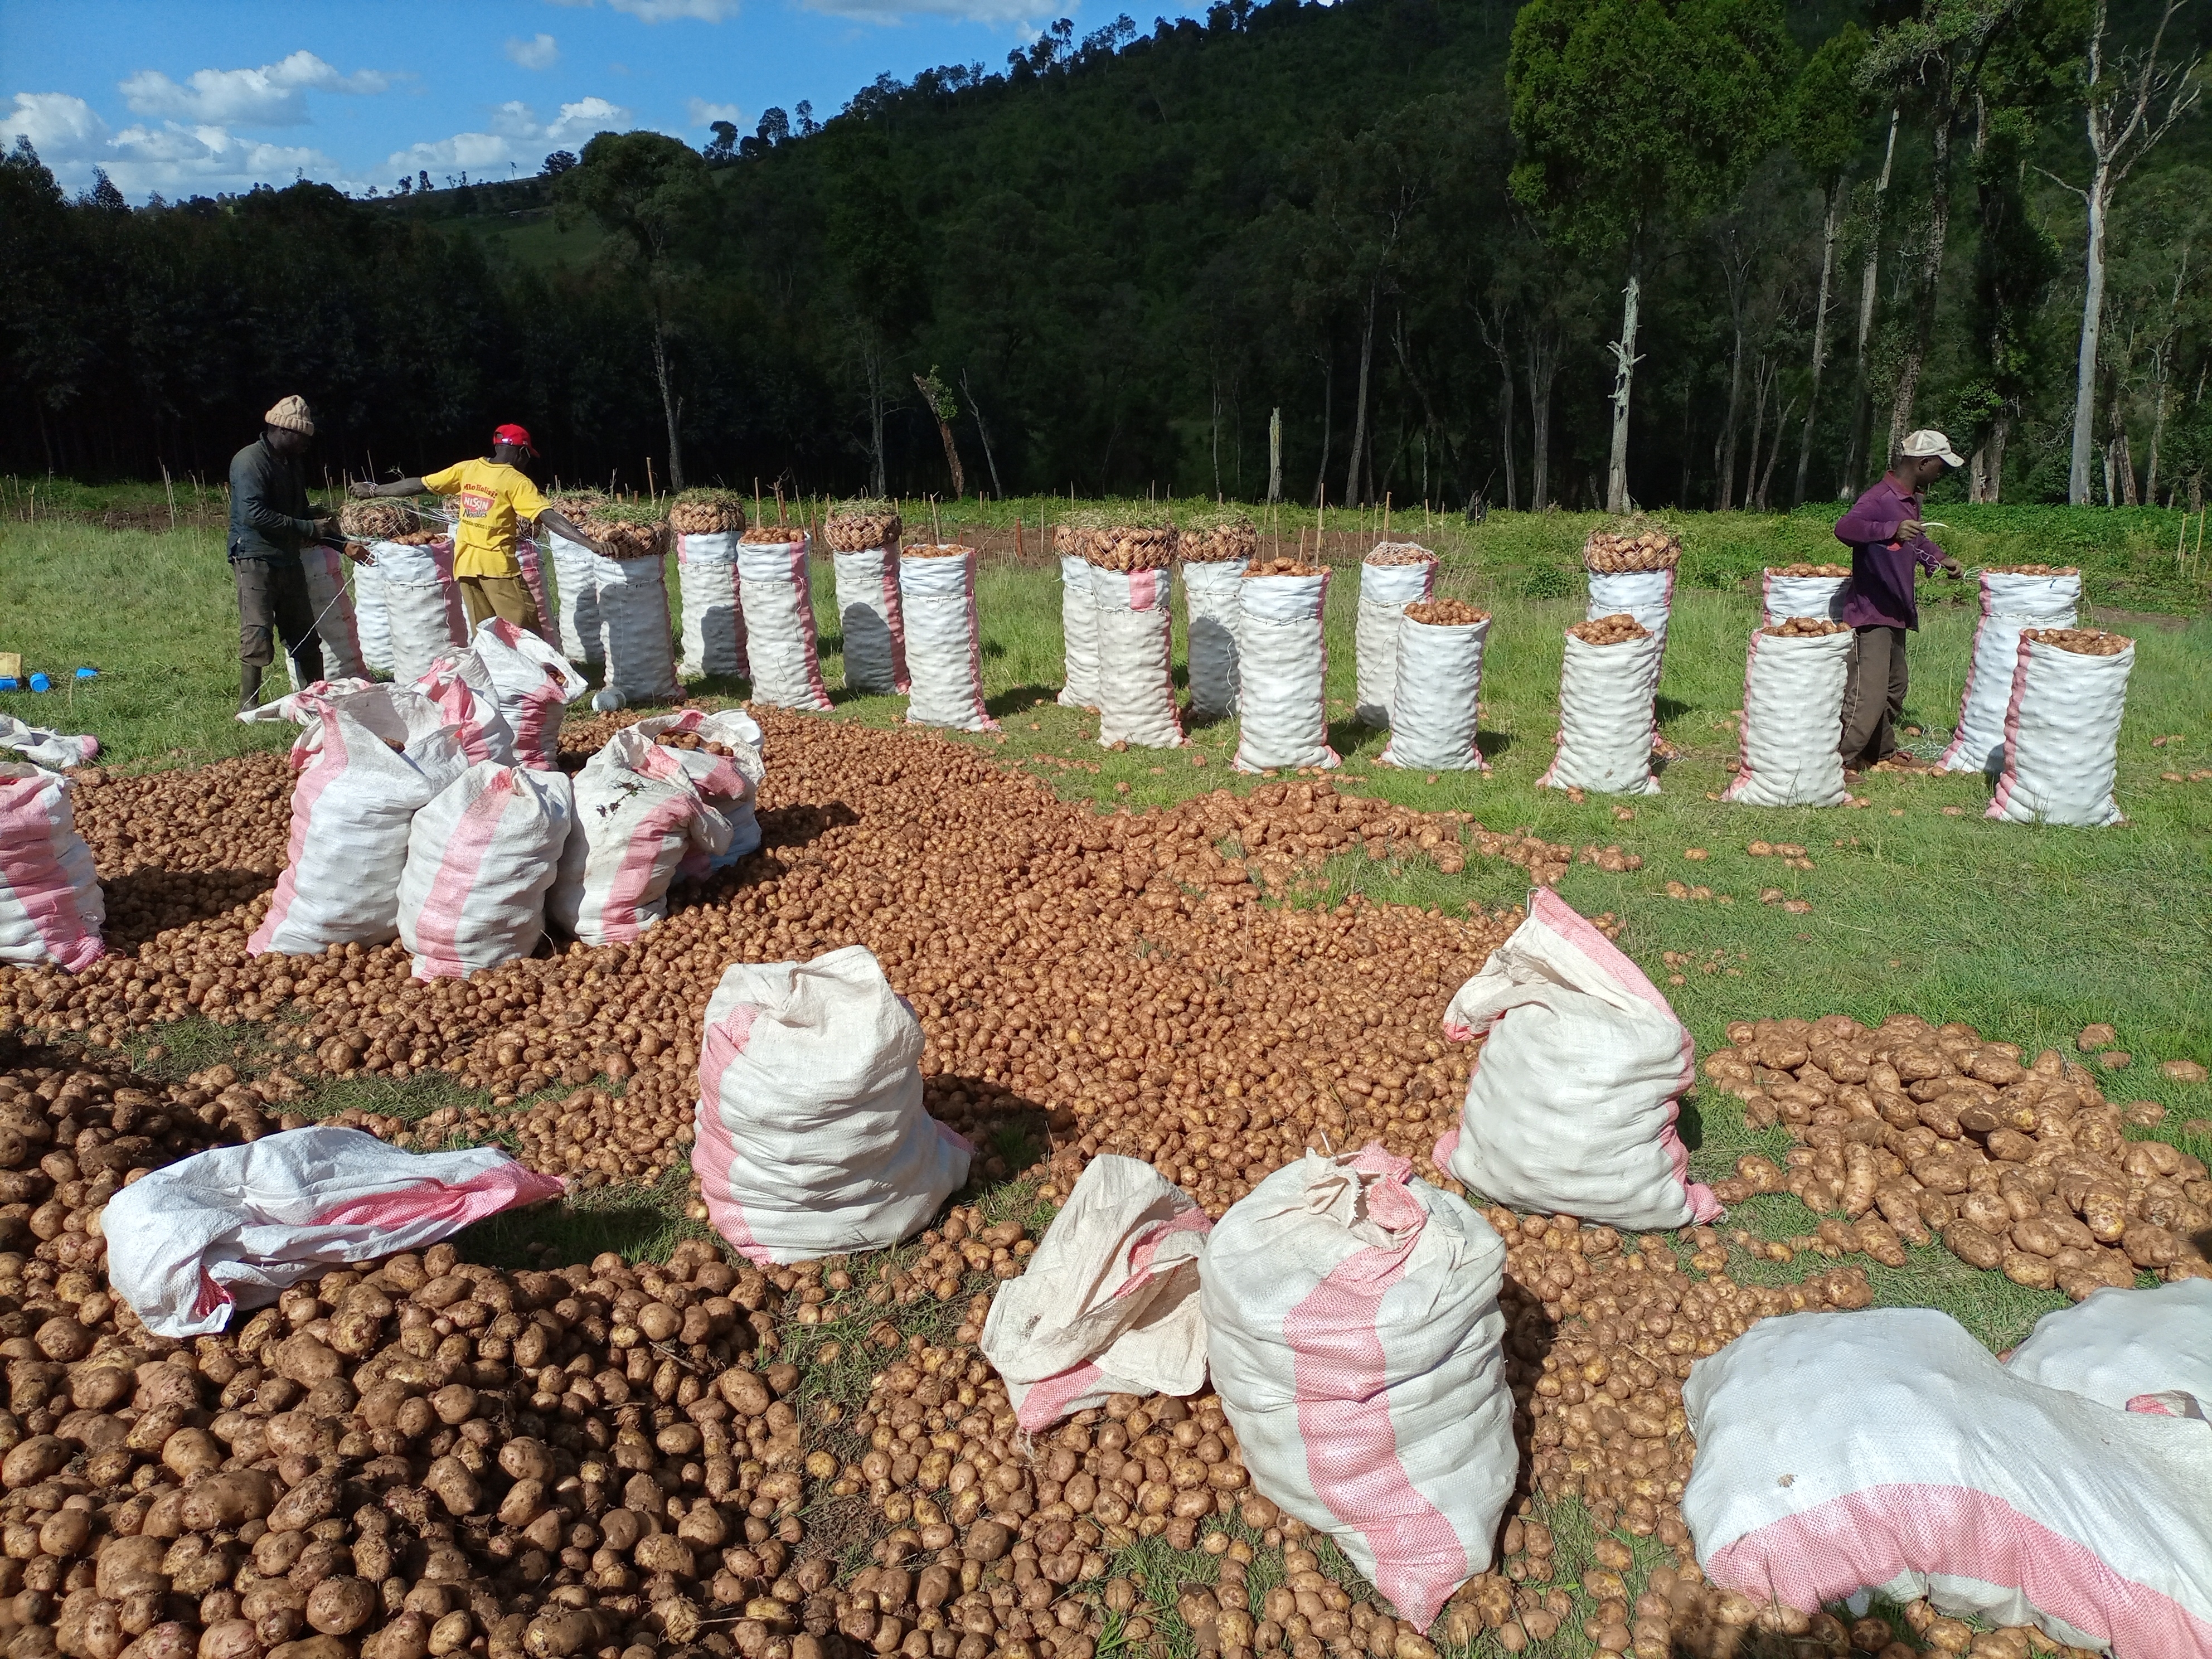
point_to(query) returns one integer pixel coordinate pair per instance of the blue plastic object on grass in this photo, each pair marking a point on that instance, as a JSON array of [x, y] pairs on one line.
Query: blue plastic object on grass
[[41, 683], [87, 673], [9, 683]]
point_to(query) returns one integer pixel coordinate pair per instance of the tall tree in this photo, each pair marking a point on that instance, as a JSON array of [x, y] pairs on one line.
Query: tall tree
[[1828, 112], [1633, 112]]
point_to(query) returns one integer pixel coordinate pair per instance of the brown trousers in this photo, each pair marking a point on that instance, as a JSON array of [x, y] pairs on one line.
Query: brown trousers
[[1874, 697], [272, 601], [499, 596]]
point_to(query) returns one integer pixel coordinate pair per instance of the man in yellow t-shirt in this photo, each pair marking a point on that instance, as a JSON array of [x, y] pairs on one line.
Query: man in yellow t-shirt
[[496, 496]]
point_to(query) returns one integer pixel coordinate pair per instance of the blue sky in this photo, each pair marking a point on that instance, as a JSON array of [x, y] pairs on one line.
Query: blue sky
[[188, 97]]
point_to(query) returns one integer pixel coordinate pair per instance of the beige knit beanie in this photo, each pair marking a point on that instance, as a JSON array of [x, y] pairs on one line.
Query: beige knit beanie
[[292, 414]]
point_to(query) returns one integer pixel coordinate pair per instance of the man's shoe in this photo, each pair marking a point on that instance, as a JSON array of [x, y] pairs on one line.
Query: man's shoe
[[249, 688]]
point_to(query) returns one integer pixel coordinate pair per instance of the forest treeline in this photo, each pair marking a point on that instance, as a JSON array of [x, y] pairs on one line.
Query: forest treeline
[[1712, 253]]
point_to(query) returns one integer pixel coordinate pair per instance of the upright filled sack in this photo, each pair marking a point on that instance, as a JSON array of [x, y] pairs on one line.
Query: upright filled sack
[[2062, 748], [708, 523], [1793, 711], [943, 639], [780, 632], [1393, 575], [236, 1226], [1355, 1339], [721, 753], [1109, 1305], [461, 686], [530, 560], [370, 620], [1213, 603], [2012, 600], [51, 908], [1078, 623], [1433, 713], [1841, 1455], [1803, 589], [1283, 668], [812, 1140], [631, 593], [1607, 681], [1136, 661], [422, 604], [352, 808], [480, 857], [41, 747], [534, 684], [638, 815], [331, 609], [575, 582], [1571, 1109], [864, 542], [2120, 1345]]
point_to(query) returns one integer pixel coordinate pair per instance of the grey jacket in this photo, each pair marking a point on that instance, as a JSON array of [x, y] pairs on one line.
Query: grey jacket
[[268, 505]]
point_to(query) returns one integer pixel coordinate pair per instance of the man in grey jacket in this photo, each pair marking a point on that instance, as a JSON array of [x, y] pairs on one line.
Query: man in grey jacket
[[270, 519]]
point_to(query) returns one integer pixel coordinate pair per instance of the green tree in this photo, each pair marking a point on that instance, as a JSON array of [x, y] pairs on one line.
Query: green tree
[[1633, 112], [1828, 112]]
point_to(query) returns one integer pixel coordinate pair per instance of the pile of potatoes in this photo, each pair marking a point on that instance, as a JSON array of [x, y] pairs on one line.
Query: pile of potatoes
[[773, 535], [1809, 570], [1130, 546], [1804, 628], [1618, 629], [1218, 542], [1389, 553], [1910, 1132], [1284, 567], [627, 535], [707, 513], [935, 550], [1610, 552], [858, 526], [2082, 642], [376, 520], [2032, 570], [1445, 613]]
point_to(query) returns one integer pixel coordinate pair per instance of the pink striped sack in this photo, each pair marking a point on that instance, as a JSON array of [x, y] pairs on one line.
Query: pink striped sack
[[42, 748], [234, 1227], [2062, 736], [1353, 1330], [639, 814], [479, 860], [355, 798], [1110, 1301], [2120, 1345], [731, 786], [51, 906], [1571, 1108], [943, 640], [776, 594], [811, 1137], [461, 686], [533, 683], [1136, 660], [1842, 1456]]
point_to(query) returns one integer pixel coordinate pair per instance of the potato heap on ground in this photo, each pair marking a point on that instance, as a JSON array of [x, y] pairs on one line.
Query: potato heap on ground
[[1635, 547], [1398, 553], [1618, 628], [1911, 1131], [633, 530], [1445, 613], [2083, 642], [857, 526], [376, 520], [707, 513], [172, 848], [1809, 570], [1284, 567], [1218, 537], [1804, 628], [2035, 570]]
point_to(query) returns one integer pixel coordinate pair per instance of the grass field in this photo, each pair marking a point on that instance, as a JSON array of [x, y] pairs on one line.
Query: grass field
[[1917, 903]]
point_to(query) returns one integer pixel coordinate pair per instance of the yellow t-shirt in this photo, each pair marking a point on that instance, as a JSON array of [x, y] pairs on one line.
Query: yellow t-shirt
[[493, 497]]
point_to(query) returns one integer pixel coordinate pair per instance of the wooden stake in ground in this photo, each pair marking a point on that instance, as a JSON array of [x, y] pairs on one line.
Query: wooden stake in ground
[[936, 536], [651, 488], [1019, 552], [778, 501]]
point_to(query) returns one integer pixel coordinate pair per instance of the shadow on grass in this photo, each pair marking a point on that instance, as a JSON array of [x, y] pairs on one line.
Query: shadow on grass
[[1019, 699]]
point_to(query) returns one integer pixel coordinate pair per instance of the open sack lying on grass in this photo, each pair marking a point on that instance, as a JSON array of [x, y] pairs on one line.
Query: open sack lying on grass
[[812, 1140], [1109, 1303], [1355, 1339], [234, 1226], [1572, 1107], [42, 748], [1841, 1454], [731, 784], [480, 857], [51, 908], [2121, 1345], [639, 814], [2011, 601]]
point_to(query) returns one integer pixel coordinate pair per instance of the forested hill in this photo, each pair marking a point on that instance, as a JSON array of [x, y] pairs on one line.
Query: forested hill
[[1106, 263]]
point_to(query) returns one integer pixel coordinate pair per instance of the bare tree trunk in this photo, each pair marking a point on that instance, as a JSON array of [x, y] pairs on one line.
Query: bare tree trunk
[[984, 433], [1501, 347], [2085, 360], [1855, 457], [1773, 454], [872, 366], [1985, 466], [1929, 277], [1217, 434], [1724, 440], [1757, 429], [1355, 469], [1328, 401], [1543, 370], [667, 407], [1275, 457], [1623, 361], [944, 432], [1828, 231]]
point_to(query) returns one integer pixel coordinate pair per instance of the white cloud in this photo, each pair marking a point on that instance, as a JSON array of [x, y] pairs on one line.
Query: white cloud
[[661, 11], [1021, 14], [538, 53], [704, 114], [173, 158], [517, 136], [271, 96]]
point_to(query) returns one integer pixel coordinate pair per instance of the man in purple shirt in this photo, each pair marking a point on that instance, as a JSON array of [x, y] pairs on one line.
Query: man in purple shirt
[[1883, 529]]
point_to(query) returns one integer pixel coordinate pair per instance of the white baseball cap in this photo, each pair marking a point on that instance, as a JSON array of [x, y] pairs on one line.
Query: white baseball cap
[[1927, 441]]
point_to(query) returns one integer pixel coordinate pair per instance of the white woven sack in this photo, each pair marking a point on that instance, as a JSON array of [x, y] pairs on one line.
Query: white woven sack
[[1282, 662], [638, 815], [1433, 713], [812, 1140], [461, 686], [1784, 597], [534, 683], [1606, 719], [41, 747], [1841, 1455], [422, 605], [1136, 660], [1646, 595], [1385, 591], [2119, 1344], [351, 809], [2062, 747], [1793, 720], [480, 857], [1078, 623], [635, 642], [331, 609], [872, 621], [943, 642], [731, 786], [714, 621], [370, 622], [1572, 1107], [51, 908], [2010, 603], [234, 1226], [575, 584], [1109, 1305], [301, 707], [530, 559], [780, 634], [1354, 1335], [1213, 600]]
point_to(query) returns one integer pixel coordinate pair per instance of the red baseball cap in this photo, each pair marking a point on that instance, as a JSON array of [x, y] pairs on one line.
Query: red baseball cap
[[514, 435]]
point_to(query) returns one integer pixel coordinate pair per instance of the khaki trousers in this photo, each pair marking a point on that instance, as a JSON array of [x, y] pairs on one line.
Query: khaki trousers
[[509, 597], [1874, 697]]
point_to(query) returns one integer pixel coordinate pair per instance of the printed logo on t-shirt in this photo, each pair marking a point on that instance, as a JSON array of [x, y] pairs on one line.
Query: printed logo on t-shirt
[[476, 503]]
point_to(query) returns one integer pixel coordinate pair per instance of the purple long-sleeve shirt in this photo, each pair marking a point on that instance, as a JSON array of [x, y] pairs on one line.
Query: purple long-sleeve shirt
[[1880, 594]]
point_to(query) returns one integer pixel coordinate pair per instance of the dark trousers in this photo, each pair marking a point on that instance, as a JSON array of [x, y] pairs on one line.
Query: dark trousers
[[1874, 697], [272, 599]]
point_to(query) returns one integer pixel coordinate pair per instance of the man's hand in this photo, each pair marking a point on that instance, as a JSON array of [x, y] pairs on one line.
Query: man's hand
[[604, 549], [1909, 531], [360, 491], [358, 553], [1951, 569]]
